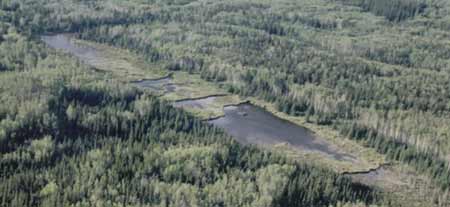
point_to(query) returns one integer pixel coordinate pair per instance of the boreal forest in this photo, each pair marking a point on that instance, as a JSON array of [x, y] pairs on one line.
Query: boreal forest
[[224, 103]]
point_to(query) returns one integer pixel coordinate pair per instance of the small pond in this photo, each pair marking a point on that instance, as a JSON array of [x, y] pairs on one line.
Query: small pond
[[250, 124]]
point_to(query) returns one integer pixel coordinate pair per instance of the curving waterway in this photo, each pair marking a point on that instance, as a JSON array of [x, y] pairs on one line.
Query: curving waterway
[[247, 123]]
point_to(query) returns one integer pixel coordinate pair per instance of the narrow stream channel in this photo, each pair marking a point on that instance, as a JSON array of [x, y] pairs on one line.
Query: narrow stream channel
[[247, 123], [197, 103], [163, 84]]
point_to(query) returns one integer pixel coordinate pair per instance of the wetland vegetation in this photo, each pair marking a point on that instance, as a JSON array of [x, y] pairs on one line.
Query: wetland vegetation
[[111, 110]]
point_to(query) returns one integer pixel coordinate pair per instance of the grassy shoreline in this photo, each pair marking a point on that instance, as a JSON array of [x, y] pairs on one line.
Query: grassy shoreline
[[192, 86]]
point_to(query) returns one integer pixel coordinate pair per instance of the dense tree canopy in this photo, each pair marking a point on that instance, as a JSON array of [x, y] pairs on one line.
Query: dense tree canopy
[[70, 138], [375, 70]]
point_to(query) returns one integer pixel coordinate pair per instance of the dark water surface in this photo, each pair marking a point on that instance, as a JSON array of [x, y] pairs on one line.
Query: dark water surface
[[250, 124], [92, 56], [62, 42]]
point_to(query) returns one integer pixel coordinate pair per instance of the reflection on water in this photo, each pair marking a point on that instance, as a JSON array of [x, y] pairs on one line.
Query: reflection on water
[[62, 42], [93, 57], [250, 124], [247, 123]]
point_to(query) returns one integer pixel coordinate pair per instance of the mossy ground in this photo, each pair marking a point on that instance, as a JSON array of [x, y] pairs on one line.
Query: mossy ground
[[128, 66], [124, 65], [400, 182]]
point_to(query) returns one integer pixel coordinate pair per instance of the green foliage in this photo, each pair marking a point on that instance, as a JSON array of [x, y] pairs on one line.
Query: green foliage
[[425, 162], [41, 148], [70, 139], [16, 53], [114, 145], [119, 146], [393, 10], [327, 73]]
